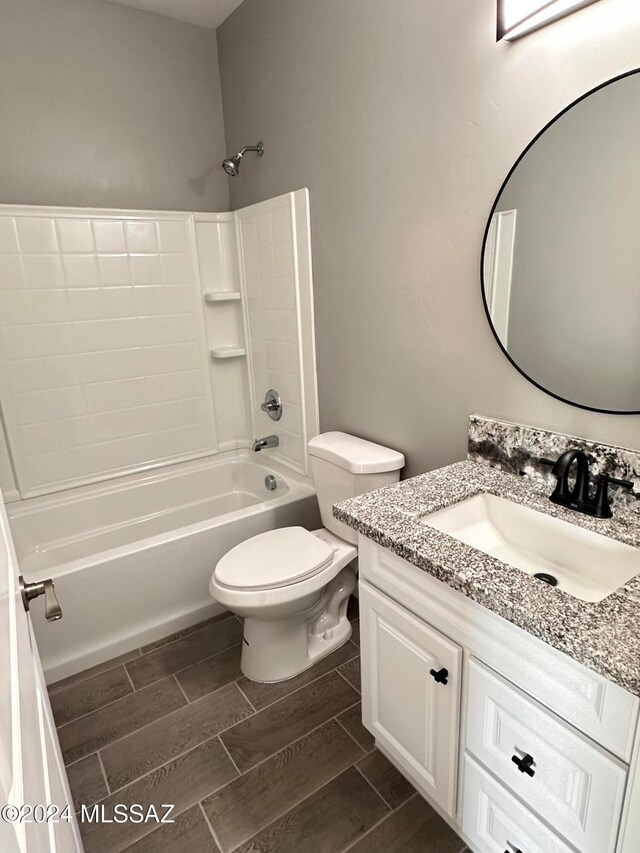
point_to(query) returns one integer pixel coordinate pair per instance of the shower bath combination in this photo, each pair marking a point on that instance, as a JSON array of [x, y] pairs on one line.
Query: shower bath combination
[[231, 165]]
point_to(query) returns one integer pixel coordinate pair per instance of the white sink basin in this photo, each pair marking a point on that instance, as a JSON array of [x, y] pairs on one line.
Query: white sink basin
[[587, 565]]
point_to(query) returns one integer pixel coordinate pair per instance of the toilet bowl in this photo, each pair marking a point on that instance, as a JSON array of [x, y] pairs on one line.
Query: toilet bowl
[[298, 614], [292, 586]]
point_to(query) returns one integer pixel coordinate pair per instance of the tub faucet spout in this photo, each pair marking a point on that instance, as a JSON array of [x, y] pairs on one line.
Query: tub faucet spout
[[267, 441]]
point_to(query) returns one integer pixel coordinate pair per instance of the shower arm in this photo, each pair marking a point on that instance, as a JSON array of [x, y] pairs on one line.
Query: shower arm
[[259, 149]]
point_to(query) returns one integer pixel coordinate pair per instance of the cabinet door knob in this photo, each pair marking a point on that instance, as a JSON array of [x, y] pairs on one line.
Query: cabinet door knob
[[440, 676], [524, 764]]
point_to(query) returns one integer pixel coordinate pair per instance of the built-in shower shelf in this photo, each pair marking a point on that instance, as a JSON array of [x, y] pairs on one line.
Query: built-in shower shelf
[[222, 296], [227, 352]]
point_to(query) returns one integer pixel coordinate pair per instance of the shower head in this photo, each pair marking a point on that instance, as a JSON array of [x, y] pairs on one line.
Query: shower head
[[232, 164]]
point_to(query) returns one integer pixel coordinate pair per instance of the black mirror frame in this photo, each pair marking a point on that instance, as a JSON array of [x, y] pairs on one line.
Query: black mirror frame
[[484, 246]]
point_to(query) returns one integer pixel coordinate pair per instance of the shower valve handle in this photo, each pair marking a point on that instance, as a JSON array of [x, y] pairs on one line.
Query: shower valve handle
[[272, 405], [29, 591]]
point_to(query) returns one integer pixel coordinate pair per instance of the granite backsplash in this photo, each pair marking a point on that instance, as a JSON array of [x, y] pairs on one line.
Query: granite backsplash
[[517, 449]]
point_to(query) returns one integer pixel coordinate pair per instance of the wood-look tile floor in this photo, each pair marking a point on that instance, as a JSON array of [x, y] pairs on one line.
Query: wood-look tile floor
[[253, 768]]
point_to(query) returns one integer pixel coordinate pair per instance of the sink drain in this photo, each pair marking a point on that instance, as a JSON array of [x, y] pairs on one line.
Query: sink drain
[[543, 576]]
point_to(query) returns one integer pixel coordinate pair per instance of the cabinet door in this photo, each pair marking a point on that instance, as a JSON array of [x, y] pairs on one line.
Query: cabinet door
[[411, 694]]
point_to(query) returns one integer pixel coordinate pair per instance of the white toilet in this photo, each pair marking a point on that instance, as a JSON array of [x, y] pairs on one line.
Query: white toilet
[[292, 586]]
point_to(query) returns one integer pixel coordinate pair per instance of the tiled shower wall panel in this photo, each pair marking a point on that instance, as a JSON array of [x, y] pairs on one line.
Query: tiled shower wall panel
[[104, 366], [268, 249]]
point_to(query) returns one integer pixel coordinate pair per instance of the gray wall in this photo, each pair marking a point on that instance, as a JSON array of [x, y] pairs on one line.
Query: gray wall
[[105, 106], [574, 324], [403, 118]]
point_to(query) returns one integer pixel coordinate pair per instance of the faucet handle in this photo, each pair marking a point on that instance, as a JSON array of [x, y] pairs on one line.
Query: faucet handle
[[626, 484], [601, 505]]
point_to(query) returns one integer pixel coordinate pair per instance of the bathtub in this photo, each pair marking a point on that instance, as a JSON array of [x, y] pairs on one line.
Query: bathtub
[[131, 559]]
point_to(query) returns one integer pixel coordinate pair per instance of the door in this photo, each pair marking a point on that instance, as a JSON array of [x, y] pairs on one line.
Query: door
[[498, 270], [411, 693], [31, 769]]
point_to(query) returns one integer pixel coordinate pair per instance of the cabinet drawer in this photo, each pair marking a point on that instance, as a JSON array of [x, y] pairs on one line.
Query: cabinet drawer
[[598, 707], [412, 714], [496, 822], [575, 786]]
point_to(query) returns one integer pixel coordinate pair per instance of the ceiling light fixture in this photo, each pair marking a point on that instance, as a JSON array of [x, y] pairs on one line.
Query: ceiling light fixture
[[516, 18]]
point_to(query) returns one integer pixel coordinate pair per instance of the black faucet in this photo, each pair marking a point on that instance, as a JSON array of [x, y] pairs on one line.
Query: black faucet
[[579, 497]]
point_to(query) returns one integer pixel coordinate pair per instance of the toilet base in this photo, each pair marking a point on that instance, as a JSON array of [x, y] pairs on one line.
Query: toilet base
[[280, 649]]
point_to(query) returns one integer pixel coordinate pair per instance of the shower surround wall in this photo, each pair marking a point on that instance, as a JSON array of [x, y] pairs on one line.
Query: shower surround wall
[[128, 341], [104, 367], [274, 244]]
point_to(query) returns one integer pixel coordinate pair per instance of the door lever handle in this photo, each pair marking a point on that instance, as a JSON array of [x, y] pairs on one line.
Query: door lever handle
[[29, 591]]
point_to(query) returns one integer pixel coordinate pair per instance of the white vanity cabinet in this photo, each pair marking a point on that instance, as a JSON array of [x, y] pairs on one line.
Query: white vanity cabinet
[[518, 746]]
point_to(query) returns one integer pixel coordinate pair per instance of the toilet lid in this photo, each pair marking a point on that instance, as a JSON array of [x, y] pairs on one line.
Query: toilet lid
[[272, 559]]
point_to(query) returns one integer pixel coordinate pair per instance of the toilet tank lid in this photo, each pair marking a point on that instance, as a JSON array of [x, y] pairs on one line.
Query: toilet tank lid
[[355, 454]]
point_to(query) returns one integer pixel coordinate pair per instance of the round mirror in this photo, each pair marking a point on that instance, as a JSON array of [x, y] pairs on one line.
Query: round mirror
[[561, 254]]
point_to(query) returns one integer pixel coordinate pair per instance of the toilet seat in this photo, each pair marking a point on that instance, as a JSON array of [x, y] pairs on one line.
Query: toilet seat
[[277, 558]]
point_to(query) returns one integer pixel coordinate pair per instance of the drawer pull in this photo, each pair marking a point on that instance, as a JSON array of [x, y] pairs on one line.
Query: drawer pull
[[524, 764], [440, 676]]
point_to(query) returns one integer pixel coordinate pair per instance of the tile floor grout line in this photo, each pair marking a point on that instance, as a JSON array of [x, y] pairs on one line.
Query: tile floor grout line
[[288, 745], [184, 751], [140, 689], [159, 767], [371, 829], [293, 692], [197, 745], [308, 684], [195, 663], [364, 752], [216, 840], [230, 756], [95, 710], [104, 773], [133, 687], [84, 681], [204, 660], [251, 705], [146, 725], [347, 680], [89, 677], [205, 624], [299, 802], [101, 708], [180, 688], [373, 787]]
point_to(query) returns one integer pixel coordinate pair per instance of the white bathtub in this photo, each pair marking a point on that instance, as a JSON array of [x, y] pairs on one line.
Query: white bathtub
[[131, 559]]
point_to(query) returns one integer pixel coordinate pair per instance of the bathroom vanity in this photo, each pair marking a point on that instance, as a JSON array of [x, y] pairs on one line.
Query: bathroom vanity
[[512, 706]]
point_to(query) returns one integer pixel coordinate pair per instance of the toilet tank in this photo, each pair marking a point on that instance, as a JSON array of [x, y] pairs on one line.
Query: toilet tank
[[343, 466]]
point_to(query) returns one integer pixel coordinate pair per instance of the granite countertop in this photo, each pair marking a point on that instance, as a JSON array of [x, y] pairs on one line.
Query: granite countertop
[[604, 636]]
